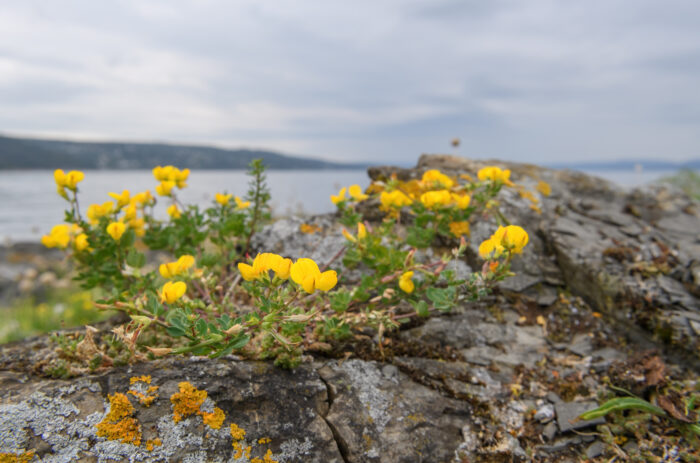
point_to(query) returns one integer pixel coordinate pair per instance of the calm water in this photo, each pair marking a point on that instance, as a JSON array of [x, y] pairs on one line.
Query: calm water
[[29, 205]]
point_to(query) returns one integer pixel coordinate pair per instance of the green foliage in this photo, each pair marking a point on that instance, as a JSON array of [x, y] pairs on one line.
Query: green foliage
[[57, 309], [214, 299], [687, 180]]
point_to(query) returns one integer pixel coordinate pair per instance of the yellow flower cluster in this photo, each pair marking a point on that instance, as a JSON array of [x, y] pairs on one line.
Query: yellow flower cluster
[[495, 174], [436, 179], [434, 190], [304, 272], [506, 239], [460, 228], [394, 199], [169, 178], [174, 269], [264, 263], [68, 180], [127, 203], [354, 191], [444, 198], [224, 199], [61, 236]]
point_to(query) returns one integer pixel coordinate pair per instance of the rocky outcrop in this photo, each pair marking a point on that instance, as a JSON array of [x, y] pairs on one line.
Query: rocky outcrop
[[607, 275]]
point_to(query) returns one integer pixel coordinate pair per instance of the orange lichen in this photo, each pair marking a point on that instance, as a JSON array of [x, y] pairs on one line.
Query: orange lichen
[[145, 399], [240, 451], [144, 379], [153, 443], [264, 440], [236, 432], [24, 457], [118, 423], [214, 419], [187, 401], [265, 459]]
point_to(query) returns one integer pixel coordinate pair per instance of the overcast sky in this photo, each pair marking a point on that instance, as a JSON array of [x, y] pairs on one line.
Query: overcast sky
[[380, 81]]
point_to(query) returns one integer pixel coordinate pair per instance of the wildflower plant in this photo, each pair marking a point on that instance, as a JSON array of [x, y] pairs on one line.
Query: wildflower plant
[[217, 295]]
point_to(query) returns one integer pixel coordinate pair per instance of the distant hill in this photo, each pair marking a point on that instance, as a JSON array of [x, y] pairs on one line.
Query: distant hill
[[30, 153]]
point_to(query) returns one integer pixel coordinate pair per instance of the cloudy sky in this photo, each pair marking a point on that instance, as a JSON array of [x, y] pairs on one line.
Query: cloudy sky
[[536, 80]]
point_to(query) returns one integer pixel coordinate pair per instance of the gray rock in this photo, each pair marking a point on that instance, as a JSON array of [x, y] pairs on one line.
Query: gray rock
[[595, 449], [545, 413], [568, 412]]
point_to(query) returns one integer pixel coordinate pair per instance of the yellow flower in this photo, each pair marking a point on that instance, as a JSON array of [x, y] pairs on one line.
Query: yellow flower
[[512, 238], [356, 193], [361, 233], [130, 212], [241, 204], [262, 264], [406, 283], [116, 230], [174, 212], [395, 199], [495, 174], [159, 173], [435, 178], [81, 242], [97, 211], [122, 198], [436, 199], [461, 201], [459, 228], [138, 226], [58, 238], [180, 177], [69, 180], [486, 248], [340, 197], [222, 198], [348, 236], [544, 188], [142, 199], [165, 188], [172, 291], [306, 274], [180, 266]]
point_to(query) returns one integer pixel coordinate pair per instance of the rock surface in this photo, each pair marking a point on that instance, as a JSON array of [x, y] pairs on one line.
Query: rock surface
[[607, 273]]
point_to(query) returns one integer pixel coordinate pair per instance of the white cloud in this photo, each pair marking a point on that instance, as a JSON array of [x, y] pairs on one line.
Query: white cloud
[[366, 80]]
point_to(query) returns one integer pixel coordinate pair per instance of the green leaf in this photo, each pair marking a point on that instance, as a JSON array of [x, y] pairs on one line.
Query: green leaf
[[201, 327], [239, 342], [340, 301], [135, 259], [421, 308], [175, 331], [442, 298], [622, 403]]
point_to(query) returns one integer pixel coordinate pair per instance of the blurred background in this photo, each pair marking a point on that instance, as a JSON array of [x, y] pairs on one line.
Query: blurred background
[[322, 89]]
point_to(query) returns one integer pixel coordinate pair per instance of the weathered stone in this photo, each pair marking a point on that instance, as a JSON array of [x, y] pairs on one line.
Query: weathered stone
[[568, 413], [374, 413], [467, 386]]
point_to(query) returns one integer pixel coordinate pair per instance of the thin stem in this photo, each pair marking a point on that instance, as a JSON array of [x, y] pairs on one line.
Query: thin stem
[[334, 258]]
